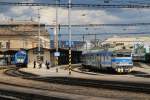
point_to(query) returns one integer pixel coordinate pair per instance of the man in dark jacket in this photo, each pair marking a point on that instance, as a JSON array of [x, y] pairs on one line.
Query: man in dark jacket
[[47, 64], [34, 64]]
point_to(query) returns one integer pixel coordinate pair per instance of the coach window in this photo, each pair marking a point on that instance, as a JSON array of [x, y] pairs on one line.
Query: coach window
[[107, 56], [104, 57]]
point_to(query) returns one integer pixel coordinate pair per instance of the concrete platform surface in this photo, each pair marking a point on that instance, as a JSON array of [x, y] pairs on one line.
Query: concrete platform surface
[[133, 77]]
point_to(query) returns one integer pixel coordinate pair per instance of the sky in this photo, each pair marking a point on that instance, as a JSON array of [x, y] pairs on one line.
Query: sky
[[91, 16]]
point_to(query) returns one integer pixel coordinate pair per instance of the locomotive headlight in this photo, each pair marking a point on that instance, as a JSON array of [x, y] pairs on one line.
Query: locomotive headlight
[[118, 70]]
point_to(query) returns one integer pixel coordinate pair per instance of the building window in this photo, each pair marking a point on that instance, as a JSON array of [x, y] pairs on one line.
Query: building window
[[8, 45], [35, 51]]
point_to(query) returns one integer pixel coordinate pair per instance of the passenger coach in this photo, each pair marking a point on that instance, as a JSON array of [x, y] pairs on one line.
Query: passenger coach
[[120, 61]]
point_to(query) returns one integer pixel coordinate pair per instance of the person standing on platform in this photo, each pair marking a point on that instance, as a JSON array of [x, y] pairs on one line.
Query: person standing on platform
[[47, 64], [34, 63]]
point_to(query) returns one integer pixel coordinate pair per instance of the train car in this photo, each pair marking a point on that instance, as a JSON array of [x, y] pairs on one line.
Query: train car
[[119, 61], [21, 58]]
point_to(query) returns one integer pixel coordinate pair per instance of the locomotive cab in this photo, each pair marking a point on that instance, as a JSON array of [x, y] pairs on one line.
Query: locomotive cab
[[122, 61], [21, 59]]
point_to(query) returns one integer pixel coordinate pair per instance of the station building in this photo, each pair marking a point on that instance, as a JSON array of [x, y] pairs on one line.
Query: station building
[[15, 35]]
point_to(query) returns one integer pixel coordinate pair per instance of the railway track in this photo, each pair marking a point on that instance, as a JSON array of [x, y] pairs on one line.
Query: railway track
[[117, 85], [16, 92], [16, 73]]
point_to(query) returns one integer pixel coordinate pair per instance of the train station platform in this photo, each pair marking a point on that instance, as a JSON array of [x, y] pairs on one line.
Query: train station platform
[[44, 72], [137, 75]]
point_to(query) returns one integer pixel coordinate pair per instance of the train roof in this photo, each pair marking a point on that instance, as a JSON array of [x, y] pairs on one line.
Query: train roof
[[97, 52], [123, 51], [104, 52]]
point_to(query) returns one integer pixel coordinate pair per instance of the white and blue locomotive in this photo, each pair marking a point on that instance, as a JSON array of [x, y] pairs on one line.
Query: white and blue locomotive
[[120, 61], [21, 58]]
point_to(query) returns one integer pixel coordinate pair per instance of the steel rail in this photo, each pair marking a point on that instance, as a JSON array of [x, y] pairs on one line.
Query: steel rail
[[117, 85]]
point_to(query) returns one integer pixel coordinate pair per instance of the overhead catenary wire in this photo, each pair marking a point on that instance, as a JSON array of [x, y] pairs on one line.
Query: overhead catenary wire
[[108, 33], [65, 5], [82, 25]]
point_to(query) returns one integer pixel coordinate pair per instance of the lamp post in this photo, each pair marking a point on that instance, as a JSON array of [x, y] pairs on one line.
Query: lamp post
[[69, 30], [86, 41], [56, 34], [39, 33]]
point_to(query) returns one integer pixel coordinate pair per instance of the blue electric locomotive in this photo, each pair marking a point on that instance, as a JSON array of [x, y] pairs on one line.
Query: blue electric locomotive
[[21, 58], [120, 61]]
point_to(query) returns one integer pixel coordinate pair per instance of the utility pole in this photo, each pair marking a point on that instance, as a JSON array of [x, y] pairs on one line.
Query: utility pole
[[59, 35], [69, 30], [86, 41], [56, 36], [83, 38], [95, 40], [39, 33]]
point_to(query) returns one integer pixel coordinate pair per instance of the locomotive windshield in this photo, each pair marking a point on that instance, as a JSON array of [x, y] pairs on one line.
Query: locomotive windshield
[[20, 57], [121, 55]]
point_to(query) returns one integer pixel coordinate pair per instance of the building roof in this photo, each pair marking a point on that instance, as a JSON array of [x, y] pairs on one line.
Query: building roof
[[127, 39], [25, 28], [21, 22], [120, 39], [37, 48], [53, 49]]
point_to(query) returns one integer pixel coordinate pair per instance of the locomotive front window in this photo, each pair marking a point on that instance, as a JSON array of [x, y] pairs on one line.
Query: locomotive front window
[[20, 57], [127, 55], [123, 55], [120, 55]]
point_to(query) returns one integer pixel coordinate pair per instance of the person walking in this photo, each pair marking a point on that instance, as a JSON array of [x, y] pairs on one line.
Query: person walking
[[34, 63]]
